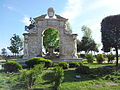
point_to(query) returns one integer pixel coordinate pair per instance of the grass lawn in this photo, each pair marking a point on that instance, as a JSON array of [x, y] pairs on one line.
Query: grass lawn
[[10, 82], [85, 82], [95, 65], [12, 59]]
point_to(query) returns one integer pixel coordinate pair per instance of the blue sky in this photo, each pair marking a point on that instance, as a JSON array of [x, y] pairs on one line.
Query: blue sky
[[14, 15]]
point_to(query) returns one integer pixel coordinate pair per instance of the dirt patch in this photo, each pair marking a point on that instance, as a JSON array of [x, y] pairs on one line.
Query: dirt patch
[[97, 85], [111, 84]]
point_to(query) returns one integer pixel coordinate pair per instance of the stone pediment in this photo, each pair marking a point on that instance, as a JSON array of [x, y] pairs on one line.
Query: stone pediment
[[60, 17], [51, 15], [39, 18], [42, 17]]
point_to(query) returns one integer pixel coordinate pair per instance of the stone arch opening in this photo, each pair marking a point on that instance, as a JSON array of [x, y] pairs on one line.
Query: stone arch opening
[[50, 43]]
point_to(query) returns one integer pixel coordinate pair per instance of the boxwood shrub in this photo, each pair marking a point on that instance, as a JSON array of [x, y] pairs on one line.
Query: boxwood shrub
[[64, 65], [89, 58], [12, 66], [38, 60], [100, 58], [83, 70], [110, 57]]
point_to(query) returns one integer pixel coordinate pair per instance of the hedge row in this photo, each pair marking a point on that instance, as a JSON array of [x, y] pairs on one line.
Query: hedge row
[[38, 60]]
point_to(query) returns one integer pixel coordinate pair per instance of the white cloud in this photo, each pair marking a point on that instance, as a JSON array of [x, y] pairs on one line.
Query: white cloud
[[113, 6], [110, 7], [26, 20], [11, 8], [72, 9]]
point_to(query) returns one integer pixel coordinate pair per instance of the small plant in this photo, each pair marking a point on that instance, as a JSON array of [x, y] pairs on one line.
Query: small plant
[[64, 65], [100, 58], [38, 60], [110, 57], [78, 55], [0, 58], [89, 58], [12, 67], [83, 70], [82, 55], [58, 77]]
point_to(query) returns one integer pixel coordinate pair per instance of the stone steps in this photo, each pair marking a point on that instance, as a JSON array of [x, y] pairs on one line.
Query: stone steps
[[69, 60]]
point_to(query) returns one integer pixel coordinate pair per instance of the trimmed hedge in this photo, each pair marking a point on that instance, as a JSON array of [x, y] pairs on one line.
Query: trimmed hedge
[[64, 65], [12, 66], [83, 70], [38, 60]]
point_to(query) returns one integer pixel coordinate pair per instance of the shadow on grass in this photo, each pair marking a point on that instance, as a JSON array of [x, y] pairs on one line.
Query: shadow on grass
[[96, 65], [94, 74]]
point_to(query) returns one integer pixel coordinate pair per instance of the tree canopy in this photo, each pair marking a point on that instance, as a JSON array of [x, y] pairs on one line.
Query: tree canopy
[[86, 31], [51, 38], [110, 29], [87, 43], [3, 51]]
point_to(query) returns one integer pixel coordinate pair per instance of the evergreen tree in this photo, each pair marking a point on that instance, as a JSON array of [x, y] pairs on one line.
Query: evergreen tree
[[4, 52], [87, 43], [16, 44]]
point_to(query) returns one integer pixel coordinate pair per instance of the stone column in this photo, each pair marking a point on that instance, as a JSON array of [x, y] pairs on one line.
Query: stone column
[[40, 41], [26, 53]]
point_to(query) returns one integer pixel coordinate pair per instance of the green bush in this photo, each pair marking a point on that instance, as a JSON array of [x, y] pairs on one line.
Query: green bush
[[55, 64], [89, 58], [100, 58], [64, 65], [110, 57], [38, 60], [29, 77], [12, 67], [58, 77], [83, 70], [75, 64]]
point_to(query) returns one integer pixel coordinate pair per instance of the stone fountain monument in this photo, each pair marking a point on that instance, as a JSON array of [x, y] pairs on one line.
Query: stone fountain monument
[[33, 39]]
